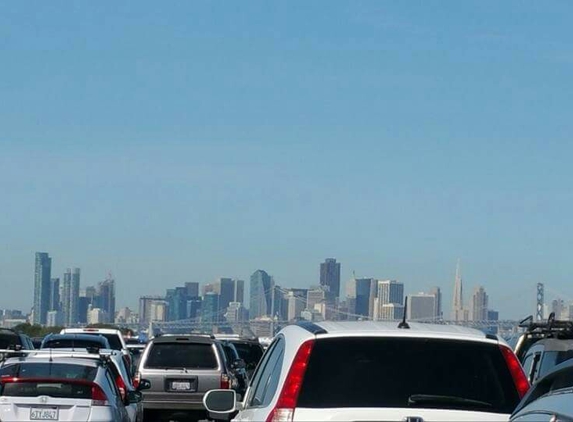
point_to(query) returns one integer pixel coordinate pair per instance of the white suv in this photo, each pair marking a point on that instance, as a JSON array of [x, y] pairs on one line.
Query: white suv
[[373, 371]]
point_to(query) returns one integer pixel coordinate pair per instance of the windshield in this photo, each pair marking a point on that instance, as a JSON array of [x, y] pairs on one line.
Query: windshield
[[176, 355], [401, 372]]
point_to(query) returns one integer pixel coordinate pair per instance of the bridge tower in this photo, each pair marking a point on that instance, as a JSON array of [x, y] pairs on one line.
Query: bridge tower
[[540, 301]]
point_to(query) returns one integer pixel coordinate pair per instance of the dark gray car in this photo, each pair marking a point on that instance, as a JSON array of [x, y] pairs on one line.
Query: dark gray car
[[181, 369]]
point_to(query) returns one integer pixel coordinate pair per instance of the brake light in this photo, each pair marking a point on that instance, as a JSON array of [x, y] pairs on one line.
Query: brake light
[[286, 404], [225, 382], [519, 378], [98, 396], [121, 387], [136, 380]]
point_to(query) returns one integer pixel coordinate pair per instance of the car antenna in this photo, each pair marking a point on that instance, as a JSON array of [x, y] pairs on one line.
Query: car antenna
[[403, 324]]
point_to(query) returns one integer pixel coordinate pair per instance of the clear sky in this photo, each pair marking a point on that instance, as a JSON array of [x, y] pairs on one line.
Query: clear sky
[[184, 141]]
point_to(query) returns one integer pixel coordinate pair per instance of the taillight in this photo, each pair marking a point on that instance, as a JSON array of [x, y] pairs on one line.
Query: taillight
[[98, 396], [286, 404], [225, 382], [121, 387], [136, 380], [516, 370]]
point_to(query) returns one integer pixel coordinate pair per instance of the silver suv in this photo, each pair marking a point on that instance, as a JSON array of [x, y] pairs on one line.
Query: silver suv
[[181, 369]]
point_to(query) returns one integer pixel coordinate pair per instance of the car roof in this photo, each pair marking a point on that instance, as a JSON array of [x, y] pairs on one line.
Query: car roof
[[390, 328], [90, 330], [183, 339], [554, 345], [75, 360], [76, 336]]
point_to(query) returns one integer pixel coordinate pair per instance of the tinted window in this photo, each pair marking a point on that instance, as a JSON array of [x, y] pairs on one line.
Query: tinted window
[[268, 381], [551, 359], [250, 353], [181, 355], [387, 372], [46, 388], [71, 344], [114, 341], [49, 370], [230, 353], [8, 340]]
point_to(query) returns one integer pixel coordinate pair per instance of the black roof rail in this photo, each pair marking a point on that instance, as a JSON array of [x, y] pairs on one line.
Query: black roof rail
[[312, 327]]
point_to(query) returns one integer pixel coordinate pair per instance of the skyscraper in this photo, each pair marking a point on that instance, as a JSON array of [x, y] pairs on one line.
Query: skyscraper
[[390, 291], [330, 276], [359, 295], [145, 303], [437, 292], [71, 296], [177, 300], [54, 294], [239, 295], [422, 306], [479, 305], [106, 297], [192, 289], [458, 297], [42, 275], [261, 295], [210, 309], [225, 288]]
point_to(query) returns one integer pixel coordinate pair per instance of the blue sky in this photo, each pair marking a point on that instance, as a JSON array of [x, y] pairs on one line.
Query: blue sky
[[192, 140]]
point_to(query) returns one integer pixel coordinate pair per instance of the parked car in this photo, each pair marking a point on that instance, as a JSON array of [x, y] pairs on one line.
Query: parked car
[[374, 371], [114, 337], [544, 355], [44, 386], [181, 369], [74, 341], [10, 339], [249, 349], [550, 398]]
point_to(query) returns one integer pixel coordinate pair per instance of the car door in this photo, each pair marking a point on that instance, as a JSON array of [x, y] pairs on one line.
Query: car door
[[262, 392], [117, 405]]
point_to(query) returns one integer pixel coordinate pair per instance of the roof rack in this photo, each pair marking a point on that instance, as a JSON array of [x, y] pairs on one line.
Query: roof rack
[[89, 353], [549, 328]]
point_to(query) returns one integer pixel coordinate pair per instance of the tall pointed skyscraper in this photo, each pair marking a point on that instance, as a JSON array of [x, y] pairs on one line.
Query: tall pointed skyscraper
[[458, 297]]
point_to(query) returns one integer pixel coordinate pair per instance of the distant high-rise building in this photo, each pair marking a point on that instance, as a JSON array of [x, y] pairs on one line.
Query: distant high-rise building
[[206, 288], [145, 308], [239, 294], [42, 276], [71, 298], [225, 288], [261, 295], [54, 294], [558, 308], [177, 300], [194, 307], [479, 305], [437, 292], [97, 316], [296, 303], [106, 297], [421, 306], [280, 305], [55, 319], [158, 310], [330, 276], [192, 289], [492, 315], [315, 295], [359, 295], [235, 313], [391, 311], [390, 291], [458, 297], [210, 309]]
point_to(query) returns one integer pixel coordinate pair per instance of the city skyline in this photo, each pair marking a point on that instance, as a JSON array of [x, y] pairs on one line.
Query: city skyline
[[382, 294]]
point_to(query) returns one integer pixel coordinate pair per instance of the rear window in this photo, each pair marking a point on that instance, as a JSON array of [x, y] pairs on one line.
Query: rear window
[[8, 340], [71, 344], [181, 355], [400, 372], [113, 339], [49, 370], [250, 353], [53, 389], [552, 359]]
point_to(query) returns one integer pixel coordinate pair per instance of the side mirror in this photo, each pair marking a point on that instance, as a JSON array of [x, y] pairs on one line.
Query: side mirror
[[220, 403], [134, 397], [144, 385]]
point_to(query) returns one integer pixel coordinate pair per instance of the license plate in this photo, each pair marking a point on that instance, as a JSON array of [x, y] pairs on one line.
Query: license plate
[[43, 414], [180, 386]]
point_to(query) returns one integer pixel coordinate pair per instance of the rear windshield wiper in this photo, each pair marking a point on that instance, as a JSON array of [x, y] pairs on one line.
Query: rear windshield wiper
[[436, 399]]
